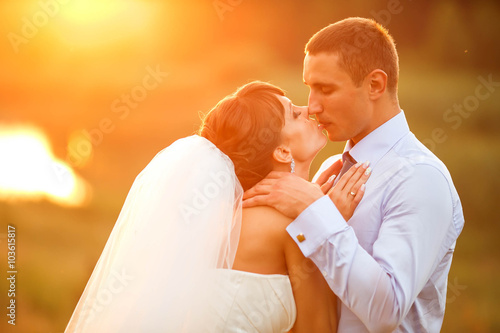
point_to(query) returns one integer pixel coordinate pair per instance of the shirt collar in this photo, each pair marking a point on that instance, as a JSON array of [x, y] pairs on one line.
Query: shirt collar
[[377, 143]]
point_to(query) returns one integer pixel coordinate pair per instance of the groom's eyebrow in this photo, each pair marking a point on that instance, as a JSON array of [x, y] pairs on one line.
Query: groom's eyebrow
[[319, 85], [323, 84]]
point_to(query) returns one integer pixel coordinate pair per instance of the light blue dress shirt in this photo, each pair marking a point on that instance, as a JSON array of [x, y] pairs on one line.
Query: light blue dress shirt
[[389, 263]]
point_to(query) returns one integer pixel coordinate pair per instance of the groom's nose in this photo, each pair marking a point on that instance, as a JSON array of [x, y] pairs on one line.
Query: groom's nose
[[314, 105]]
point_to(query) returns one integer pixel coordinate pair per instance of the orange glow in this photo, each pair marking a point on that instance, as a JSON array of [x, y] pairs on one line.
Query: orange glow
[[89, 11], [89, 23], [29, 170]]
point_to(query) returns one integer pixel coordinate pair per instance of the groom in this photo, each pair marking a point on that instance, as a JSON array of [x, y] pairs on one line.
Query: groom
[[389, 263]]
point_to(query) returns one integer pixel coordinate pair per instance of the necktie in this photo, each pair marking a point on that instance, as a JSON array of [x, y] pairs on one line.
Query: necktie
[[347, 163]]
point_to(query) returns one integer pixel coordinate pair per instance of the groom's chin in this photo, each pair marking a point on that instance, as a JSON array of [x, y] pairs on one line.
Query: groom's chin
[[332, 136]]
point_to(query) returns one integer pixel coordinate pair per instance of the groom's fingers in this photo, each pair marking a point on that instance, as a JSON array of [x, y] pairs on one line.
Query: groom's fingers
[[258, 200], [265, 185], [259, 189], [276, 175]]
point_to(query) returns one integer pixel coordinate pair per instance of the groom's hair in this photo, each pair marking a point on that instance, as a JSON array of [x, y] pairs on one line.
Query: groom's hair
[[246, 126], [362, 45]]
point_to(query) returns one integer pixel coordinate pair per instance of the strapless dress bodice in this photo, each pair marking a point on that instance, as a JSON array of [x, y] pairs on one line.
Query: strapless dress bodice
[[250, 302]]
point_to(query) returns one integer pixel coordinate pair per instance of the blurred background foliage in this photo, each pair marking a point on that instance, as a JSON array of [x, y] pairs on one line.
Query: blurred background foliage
[[73, 67]]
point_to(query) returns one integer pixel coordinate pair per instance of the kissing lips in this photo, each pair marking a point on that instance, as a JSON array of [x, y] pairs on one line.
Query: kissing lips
[[316, 124]]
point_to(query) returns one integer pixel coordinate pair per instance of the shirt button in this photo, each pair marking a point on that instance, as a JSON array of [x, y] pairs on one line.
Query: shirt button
[[301, 238], [324, 273]]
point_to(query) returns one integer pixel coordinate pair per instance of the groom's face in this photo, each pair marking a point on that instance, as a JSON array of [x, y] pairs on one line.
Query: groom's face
[[338, 104]]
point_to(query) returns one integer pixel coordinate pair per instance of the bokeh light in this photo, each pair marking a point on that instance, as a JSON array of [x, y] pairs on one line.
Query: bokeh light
[[29, 170]]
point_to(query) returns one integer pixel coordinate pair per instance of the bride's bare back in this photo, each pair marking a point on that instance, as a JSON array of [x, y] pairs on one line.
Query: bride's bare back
[[266, 248]]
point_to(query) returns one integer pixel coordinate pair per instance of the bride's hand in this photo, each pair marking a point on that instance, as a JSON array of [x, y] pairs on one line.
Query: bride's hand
[[291, 194], [325, 180], [349, 190]]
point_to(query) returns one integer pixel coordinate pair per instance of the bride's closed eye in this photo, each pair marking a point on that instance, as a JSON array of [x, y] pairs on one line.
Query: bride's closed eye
[[295, 113]]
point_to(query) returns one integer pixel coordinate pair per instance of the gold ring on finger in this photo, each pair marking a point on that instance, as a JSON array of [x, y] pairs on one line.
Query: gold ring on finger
[[352, 193]]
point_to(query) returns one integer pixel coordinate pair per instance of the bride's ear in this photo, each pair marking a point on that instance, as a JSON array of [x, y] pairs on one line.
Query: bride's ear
[[282, 154]]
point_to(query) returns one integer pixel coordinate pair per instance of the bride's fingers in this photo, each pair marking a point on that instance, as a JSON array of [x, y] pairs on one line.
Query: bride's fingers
[[350, 187], [359, 195], [327, 186], [356, 187], [341, 184], [325, 176]]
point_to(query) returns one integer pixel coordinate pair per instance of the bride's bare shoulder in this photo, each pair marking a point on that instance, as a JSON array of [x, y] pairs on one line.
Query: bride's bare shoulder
[[266, 214]]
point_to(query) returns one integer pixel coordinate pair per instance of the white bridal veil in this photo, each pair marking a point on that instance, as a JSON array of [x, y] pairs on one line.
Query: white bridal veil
[[180, 221]]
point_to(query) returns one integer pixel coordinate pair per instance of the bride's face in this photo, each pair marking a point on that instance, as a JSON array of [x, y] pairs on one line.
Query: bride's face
[[301, 134]]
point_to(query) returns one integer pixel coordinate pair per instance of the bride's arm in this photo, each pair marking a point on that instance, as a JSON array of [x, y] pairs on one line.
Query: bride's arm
[[316, 303]]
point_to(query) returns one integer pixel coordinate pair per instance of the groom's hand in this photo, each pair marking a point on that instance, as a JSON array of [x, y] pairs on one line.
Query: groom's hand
[[291, 195], [286, 192]]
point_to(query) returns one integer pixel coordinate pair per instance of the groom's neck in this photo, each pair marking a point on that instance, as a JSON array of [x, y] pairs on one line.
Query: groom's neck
[[383, 109]]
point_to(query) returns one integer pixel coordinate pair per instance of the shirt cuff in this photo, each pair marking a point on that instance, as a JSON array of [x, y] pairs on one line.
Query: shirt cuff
[[316, 224]]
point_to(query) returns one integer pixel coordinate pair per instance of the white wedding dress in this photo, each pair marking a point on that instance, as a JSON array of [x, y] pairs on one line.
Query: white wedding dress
[[249, 302], [166, 266]]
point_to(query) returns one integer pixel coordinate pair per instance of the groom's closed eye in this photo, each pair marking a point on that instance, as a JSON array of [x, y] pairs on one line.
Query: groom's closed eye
[[327, 89], [323, 88]]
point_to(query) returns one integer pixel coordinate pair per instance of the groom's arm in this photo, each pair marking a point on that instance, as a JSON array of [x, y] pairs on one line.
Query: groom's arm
[[414, 236]]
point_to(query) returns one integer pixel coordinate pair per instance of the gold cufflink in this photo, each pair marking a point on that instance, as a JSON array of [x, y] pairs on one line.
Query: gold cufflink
[[301, 238]]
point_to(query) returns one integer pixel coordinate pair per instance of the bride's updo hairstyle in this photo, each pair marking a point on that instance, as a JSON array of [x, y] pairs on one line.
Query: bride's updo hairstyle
[[246, 126]]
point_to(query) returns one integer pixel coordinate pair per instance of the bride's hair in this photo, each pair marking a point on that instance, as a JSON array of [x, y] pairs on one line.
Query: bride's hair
[[246, 126]]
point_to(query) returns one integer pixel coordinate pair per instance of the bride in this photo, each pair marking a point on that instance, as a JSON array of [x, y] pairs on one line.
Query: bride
[[185, 257]]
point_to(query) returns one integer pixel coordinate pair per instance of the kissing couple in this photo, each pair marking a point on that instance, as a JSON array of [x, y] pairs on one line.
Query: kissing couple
[[223, 232]]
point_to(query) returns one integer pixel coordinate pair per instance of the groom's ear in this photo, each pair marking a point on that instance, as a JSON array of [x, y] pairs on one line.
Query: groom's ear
[[282, 154], [377, 81]]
